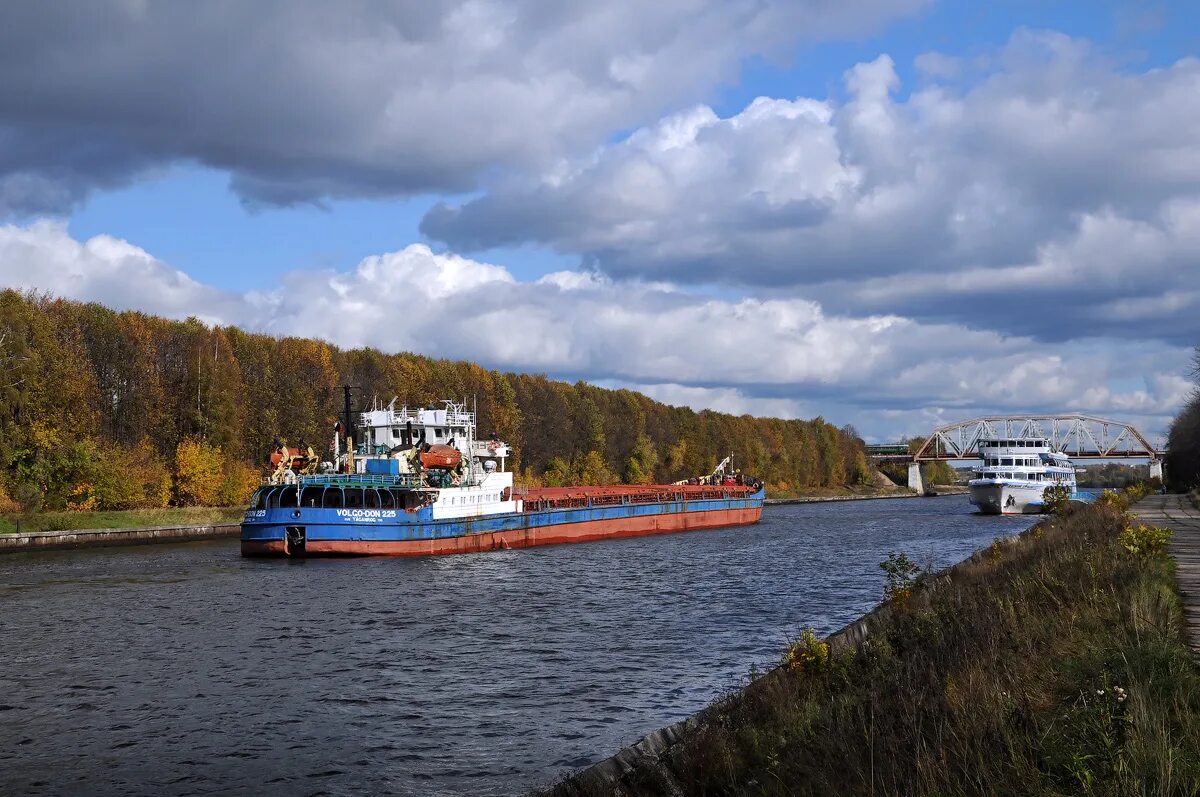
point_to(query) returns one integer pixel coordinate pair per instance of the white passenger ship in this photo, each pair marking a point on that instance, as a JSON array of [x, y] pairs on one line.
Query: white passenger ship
[[1016, 473]]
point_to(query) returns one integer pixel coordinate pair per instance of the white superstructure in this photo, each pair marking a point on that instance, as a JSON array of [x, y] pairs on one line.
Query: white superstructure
[[392, 438], [1015, 474]]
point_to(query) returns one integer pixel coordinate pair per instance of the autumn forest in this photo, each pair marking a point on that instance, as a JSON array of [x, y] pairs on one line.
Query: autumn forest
[[114, 410]]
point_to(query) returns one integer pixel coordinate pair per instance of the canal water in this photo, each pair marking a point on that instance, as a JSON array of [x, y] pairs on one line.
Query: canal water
[[185, 669]]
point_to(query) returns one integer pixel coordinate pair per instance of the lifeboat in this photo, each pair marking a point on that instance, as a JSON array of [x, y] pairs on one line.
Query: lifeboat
[[296, 458], [442, 456]]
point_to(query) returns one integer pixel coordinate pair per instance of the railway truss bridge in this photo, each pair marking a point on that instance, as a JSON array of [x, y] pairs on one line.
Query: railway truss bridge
[[1077, 436]]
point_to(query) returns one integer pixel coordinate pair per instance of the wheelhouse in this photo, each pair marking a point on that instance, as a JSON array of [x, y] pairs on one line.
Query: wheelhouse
[[329, 496]]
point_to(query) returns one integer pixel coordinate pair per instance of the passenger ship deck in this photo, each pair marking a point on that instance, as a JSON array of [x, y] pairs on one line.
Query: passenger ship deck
[[1016, 473]]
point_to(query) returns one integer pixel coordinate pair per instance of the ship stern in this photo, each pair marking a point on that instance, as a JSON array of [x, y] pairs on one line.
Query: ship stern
[[271, 539]]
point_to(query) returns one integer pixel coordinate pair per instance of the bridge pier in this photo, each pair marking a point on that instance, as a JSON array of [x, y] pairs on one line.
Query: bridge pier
[[1156, 469], [914, 477]]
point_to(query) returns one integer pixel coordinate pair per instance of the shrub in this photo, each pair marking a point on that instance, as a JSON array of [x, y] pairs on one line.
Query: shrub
[[1057, 498], [808, 653], [8, 506], [82, 497], [1143, 540], [132, 478], [198, 473], [1138, 491], [239, 482], [61, 469], [152, 475], [902, 576], [28, 497], [1116, 500]]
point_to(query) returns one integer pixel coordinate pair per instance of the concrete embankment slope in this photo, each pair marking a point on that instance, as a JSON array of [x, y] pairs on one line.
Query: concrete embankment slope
[[1175, 512], [91, 538], [831, 498], [940, 490]]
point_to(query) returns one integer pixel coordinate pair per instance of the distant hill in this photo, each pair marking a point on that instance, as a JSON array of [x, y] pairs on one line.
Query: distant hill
[[104, 409]]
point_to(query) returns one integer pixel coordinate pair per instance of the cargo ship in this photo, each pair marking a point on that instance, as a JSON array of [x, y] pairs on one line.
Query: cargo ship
[[419, 483]]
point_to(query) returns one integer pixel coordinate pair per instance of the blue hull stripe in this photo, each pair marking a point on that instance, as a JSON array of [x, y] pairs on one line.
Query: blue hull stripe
[[378, 526]]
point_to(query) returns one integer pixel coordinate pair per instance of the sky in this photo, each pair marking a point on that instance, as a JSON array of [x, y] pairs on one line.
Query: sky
[[889, 213]]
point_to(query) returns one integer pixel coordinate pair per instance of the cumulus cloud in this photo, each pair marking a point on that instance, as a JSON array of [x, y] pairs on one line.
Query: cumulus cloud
[[44, 257], [777, 356], [1053, 173], [1111, 275], [300, 101]]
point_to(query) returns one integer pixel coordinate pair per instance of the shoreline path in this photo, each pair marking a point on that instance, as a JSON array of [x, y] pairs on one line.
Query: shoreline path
[[1176, 513]]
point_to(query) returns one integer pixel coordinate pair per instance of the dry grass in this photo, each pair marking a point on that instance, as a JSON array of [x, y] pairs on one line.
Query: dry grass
[[1052, 665], [128, 519]]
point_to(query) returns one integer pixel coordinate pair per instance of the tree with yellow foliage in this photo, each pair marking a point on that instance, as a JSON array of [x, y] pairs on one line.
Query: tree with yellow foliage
[[198, 473]]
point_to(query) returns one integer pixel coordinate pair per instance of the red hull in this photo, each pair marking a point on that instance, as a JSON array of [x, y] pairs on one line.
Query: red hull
[[519, 538], [264, 548]]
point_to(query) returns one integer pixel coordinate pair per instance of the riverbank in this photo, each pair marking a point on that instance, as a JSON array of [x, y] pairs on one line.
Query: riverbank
[[128, 519], [98, 538], [1053, 662], [935, 492], [825, 499], [822, 494]]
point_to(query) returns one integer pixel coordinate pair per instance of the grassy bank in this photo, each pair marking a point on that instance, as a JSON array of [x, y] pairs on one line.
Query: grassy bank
[[1052, 664], [837, 492], [129, 519]]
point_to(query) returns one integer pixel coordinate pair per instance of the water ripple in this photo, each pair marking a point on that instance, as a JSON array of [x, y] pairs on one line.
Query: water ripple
[[185, 669]]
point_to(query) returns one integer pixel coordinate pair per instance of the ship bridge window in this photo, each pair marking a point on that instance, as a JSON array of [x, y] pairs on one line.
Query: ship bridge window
[[409, 500], [395, 434], [286, 497], [332, 498], [311, 496], [1006, 461]]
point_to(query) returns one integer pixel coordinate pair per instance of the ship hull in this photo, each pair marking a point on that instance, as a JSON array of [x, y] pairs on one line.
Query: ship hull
[[995, 498], [323, 533]]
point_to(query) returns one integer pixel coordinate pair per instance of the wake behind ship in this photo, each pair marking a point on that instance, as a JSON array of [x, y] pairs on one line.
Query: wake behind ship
[[419, 483]]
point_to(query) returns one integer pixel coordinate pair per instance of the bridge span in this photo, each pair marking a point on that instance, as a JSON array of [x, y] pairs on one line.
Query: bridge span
[[1077, 436]]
